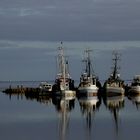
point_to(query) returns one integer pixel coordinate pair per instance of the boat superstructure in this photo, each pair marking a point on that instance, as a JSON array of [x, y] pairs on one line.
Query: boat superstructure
[[45, 87], [88, 80], [114, 85], [64, 85]]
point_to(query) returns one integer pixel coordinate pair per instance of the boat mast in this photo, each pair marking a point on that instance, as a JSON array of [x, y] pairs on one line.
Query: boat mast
[[88, 62], [115, 68], [67, 69], [62, 65]]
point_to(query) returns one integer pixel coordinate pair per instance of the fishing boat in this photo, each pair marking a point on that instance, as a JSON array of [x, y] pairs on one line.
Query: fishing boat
[[88, 80], [64, 85], [135, 86], [114, 85]]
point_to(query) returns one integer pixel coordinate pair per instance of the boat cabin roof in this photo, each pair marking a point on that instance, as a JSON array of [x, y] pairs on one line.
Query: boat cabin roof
[[45, 84]]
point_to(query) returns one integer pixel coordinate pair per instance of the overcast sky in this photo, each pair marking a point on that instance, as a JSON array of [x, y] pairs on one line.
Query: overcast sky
[[70, 20]]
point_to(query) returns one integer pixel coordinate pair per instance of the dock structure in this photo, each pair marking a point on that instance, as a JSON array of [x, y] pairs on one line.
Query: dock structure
[[21, 90]]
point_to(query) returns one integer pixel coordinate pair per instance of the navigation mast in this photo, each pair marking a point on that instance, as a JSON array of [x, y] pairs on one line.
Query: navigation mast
[[116, 68]]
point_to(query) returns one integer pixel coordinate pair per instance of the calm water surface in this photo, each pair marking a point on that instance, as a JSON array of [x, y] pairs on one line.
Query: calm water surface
[[55, 118], [23, 118]]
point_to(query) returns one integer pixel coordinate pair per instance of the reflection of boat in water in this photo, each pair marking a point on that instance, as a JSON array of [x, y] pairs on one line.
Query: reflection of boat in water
[[64, 106], [89, 105], [64, 85], [114, 104], [114, 85], [88, 102], [88, 81], [59, 103], [43, 100], [135, 99], [135, 86]]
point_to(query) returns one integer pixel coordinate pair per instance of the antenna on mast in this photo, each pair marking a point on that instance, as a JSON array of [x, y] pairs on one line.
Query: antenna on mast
[[116, 58], [88, 61]]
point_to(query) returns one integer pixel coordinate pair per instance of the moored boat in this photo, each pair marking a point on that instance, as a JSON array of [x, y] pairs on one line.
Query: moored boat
[[64, 85], [114, 85], [88, 80]]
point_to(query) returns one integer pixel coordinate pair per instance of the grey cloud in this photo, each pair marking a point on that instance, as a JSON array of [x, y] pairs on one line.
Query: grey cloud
[[70, 20]]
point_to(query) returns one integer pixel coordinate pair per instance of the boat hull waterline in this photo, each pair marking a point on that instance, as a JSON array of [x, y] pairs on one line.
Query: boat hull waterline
[[88, 90], [112, 91]]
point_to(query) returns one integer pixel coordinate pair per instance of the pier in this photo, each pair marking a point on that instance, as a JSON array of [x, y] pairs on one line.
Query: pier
[[21, 90]]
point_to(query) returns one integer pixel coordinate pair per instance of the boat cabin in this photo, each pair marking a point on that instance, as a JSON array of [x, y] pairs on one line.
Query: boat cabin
[[45, 86]]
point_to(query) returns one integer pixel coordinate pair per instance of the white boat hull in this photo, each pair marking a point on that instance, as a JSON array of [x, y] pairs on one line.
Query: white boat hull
[[114, 91], [92, 89]]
